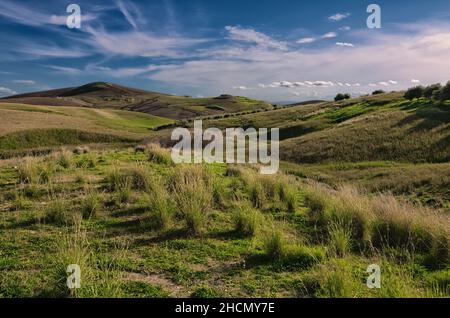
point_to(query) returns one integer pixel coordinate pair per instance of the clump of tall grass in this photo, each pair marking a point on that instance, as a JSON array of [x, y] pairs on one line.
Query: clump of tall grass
[[28, 170], [275, 246], [340, 238], [192, 190], [59, 212], [141, 178], [415, 228], [247, 221], [64, 159], [381, 222], [122, 193], [158, 154], [161, 208], [114, 178], [71, 249], [81, 150], [19, 201], [31, 170], [91, 203], [288, 196]]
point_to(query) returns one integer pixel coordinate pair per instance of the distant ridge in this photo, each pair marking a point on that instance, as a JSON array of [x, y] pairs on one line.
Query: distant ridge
[[109, 95]]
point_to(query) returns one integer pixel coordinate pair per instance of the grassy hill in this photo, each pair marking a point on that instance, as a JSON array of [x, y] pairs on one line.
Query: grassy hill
[[107, 95], [39, 128]]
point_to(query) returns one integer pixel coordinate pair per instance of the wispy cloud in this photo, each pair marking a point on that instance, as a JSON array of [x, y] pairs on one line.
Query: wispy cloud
[[329, 35], [345, 44], [24, 82], [252, 36], [129, 11], [306, 40], [338, 17]]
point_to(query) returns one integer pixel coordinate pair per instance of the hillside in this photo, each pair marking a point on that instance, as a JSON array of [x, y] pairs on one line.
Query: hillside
[[108, 95]]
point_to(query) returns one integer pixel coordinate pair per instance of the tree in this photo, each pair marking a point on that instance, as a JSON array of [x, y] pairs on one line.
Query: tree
[[414, 92], [444, 93], [429, 90], [378, 92], [341, 96]]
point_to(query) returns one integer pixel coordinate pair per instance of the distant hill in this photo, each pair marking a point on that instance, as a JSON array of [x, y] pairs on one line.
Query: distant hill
[[108, 95]]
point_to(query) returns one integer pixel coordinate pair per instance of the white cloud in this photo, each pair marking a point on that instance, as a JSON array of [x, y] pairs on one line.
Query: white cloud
[[242, 88], [392, 82], [415, 81], [338, 17], [329, 35], [24, 82], [5, 91], [346, 44], [252, 36], [138, 43], [306, 40], [345, 28], [383, 83]]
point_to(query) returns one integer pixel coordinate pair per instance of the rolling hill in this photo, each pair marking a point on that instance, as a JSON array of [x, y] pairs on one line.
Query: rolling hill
[[108, 95]]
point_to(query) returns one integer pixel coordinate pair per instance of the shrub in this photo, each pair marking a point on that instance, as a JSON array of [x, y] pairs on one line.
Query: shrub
[[300, 257], [378, 92], [414, 92], [192, 189], [341, 96], [159, 155], [429, 91], [246, 221], [444, 92]]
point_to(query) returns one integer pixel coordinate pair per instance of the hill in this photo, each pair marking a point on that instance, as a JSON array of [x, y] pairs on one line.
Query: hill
[[108, 95]]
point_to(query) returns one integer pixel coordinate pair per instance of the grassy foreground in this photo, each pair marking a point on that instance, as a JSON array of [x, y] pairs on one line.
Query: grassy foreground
[[140, 227]]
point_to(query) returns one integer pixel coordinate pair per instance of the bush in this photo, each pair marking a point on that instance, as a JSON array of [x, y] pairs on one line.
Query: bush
[[429, 91], [341, 96], [444, 93], [378, 92], [414, 92]]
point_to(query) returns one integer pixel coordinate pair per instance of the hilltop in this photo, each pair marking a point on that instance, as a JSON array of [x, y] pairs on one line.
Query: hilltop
[[109, 95]]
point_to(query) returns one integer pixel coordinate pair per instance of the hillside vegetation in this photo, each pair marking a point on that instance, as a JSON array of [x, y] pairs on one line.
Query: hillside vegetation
[[140, 227]]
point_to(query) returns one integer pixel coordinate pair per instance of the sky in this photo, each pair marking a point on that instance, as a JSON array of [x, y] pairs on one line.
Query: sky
[[280, 51]]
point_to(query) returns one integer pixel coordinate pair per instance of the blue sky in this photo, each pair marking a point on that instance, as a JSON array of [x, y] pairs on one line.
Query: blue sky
[[280, 50]]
